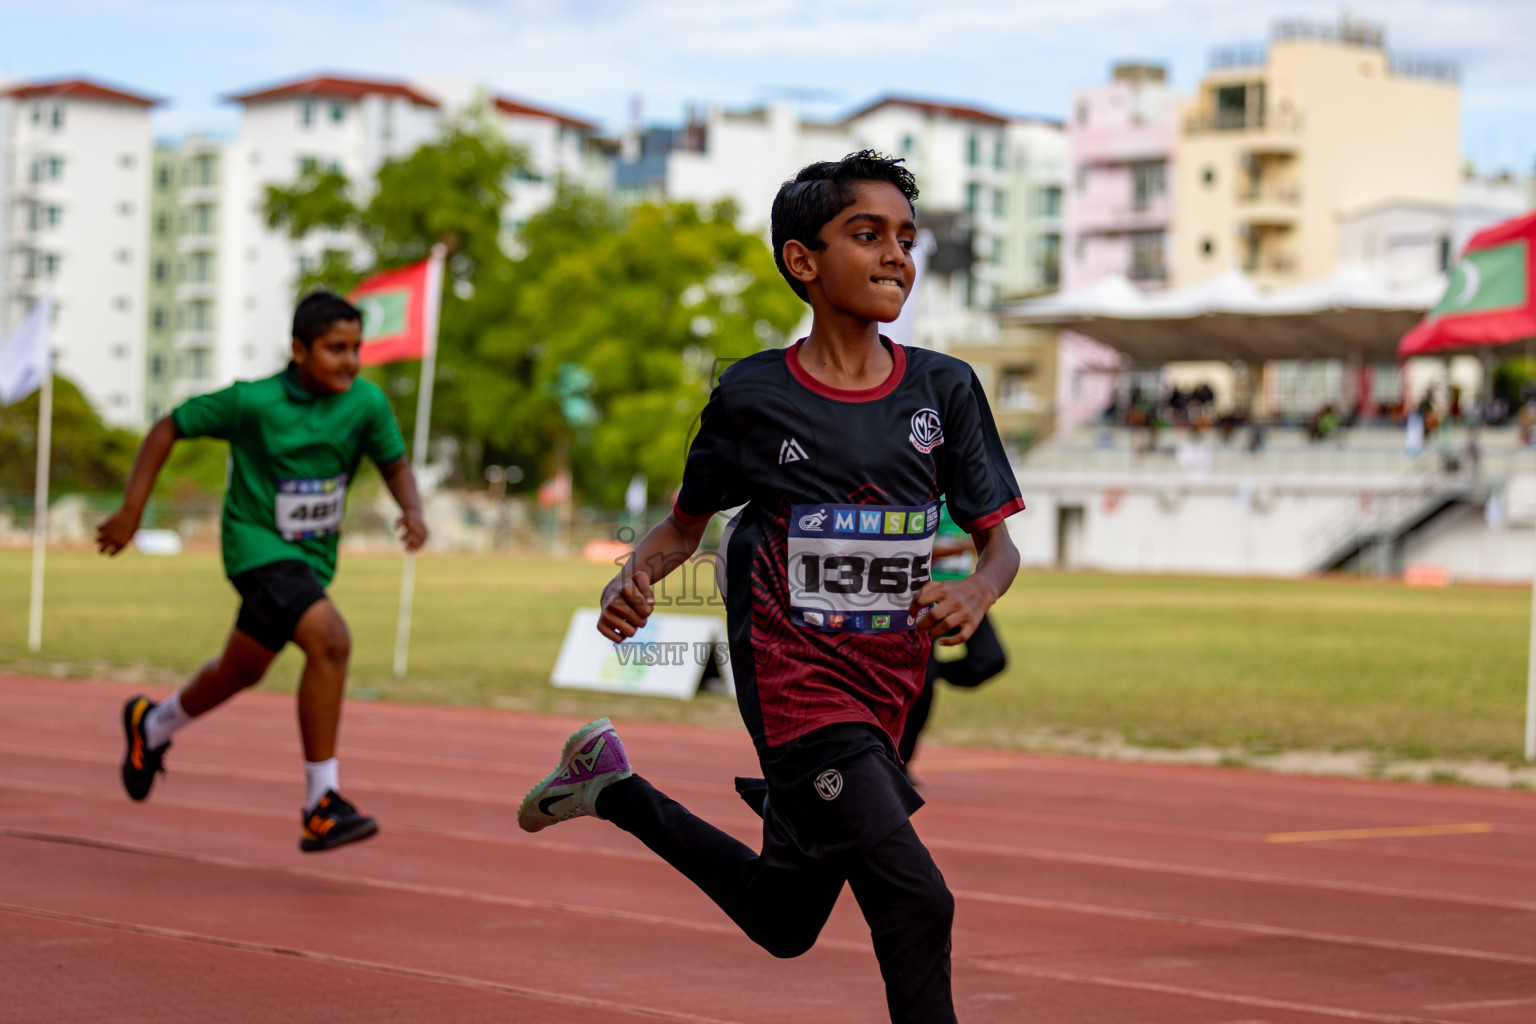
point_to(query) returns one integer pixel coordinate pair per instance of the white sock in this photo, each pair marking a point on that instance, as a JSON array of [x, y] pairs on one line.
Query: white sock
[[164, 720], [319, 776]]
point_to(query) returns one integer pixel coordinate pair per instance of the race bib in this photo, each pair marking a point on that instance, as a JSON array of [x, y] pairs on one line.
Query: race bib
[[310, 508], [854, 568]]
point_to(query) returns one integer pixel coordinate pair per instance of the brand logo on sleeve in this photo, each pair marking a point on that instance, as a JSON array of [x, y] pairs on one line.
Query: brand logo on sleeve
[[790, 451], [927, 432]]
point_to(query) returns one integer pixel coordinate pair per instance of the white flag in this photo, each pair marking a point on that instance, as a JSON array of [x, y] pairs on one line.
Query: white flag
[[24, 355]]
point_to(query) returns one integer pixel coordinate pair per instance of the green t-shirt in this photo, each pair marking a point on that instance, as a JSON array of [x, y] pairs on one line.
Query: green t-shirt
[[953, 567], [293, 454]]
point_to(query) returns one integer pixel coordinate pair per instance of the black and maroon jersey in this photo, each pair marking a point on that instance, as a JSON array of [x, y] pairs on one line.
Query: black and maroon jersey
[[842, 492]]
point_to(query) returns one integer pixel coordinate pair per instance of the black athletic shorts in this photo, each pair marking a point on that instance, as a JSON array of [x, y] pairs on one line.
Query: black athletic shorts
[[831, 796], [275, 597]]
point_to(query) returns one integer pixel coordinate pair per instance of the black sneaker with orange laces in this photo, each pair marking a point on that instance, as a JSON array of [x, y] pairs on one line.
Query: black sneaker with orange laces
[[333, 822], [140, 763]]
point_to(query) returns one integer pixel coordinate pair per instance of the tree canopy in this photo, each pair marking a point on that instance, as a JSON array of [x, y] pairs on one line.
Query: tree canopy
[[646, 300]]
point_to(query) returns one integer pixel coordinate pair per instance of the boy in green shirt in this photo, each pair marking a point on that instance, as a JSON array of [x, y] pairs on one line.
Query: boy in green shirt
[[295, 439]]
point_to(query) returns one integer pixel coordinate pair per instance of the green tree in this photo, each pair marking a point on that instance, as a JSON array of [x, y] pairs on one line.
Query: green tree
[[87, 455], [647, 301]]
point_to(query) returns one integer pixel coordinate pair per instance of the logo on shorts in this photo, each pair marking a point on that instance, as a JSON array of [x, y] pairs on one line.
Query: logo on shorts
[[813, 521], [814, 618], [829, 784], [927, 432], [882, 622]]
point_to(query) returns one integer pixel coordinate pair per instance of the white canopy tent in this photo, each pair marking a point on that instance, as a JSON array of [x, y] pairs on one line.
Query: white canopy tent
[[1353, 315]]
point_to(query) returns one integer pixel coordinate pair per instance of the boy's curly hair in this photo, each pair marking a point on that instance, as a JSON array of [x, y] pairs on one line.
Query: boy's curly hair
[[813, 197]]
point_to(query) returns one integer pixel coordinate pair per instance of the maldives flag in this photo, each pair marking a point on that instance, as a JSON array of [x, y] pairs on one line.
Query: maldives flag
[[1491, 299], [399, 313]]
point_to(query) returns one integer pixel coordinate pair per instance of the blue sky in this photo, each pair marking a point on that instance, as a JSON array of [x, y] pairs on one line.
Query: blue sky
[[593, 56]]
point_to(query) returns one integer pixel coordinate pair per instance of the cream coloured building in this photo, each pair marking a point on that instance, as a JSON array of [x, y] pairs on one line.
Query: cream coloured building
[[1277, 148]]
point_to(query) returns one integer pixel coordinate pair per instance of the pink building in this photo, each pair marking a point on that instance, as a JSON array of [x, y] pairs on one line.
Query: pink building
[[1119, 206]]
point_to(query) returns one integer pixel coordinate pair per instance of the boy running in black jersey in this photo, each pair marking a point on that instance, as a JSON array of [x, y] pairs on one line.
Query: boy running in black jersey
[[842, 446]]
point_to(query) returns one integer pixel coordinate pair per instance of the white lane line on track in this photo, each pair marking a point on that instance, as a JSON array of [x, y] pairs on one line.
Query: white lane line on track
[[1086, 859], [638, 917], [362, 965], [1225, 874], [989, 964]]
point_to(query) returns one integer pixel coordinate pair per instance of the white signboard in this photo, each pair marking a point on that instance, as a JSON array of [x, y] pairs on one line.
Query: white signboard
[[668, 658]]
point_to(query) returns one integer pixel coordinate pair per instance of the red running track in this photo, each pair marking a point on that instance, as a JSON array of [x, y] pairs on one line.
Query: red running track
[[1087, 891]]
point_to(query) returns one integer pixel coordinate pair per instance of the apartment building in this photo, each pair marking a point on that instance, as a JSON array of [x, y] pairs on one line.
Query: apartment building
[[1120, 201], [559, 149], [1279, 144], [351, 125], [182, 306], [74, 173]]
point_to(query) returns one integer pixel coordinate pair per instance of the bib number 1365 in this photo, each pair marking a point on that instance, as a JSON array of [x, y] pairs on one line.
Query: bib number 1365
[[861, 574]]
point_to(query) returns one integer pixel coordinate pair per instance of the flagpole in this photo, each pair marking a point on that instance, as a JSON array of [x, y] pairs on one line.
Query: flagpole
[[40, 509], [434, 299]]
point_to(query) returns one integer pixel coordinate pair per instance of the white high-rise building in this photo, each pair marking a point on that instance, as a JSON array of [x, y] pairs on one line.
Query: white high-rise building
[[346, 124], [991, 192], [74, 191]]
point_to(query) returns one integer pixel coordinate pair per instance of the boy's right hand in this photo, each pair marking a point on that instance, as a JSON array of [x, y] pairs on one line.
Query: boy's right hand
[[116, 531], [627, 603]]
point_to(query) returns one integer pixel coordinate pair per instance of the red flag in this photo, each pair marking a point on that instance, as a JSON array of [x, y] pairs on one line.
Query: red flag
[[399, 314], [1491, 298]]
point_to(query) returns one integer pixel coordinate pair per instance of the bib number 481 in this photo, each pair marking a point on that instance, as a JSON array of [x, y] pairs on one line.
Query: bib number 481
[[855, 574]]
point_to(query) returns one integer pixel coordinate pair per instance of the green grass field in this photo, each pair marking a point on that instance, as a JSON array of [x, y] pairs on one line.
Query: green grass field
[[1265, 665]]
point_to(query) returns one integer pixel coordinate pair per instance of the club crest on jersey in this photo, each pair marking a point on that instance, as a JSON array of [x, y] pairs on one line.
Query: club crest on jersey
[[790, 451], [829, 784], [927, 432], [814, 521]]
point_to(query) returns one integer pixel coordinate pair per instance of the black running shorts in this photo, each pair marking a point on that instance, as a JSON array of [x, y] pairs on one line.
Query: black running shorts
[[832, 795], [275, 597]]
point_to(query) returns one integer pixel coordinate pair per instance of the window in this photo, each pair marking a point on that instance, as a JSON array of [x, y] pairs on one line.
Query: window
[[125, 160], [1082, 179], [202, 267], [50, 264], [124, 255], [999, 203], [338, 112], [1147, 181], [1082, 114], [1207, 247], [970, 291], [163, 177], [48, 168], [124, 209], [119, 351], [156, 368], [973, 149], [56, 116], [1147, 256], [200, 315], [307, 113], [308, 165], [121, 304], [1048, 201], [999, 154], [972, 197], [162, 224], [202, 171], [1050, 259], [157, 319], [908, 144], [198, 364], [1209, 176], [999, 251]]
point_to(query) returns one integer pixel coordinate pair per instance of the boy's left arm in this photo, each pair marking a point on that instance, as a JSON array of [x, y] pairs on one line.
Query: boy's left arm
[[954, 608], [412, 524]]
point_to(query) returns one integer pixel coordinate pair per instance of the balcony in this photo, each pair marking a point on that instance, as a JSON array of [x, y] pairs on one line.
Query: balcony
[[1269, 203], [199, 195], [197, 242], [189, 291], [1256, 127], [204, 338]]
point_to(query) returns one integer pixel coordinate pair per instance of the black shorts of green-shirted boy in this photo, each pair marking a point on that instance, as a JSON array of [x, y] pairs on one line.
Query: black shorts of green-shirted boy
[[840, 450], [295, 439]]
